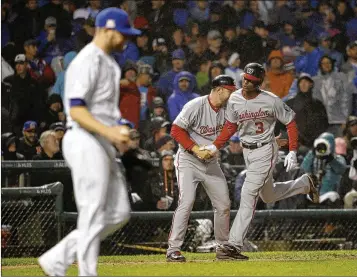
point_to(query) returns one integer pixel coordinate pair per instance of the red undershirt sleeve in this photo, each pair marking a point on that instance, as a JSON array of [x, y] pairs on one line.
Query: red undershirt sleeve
[[229, 130], [182, 137], [293, 135]]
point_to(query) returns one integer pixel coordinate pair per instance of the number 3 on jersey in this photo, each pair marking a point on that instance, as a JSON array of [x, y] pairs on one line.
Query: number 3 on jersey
[[260, 127]]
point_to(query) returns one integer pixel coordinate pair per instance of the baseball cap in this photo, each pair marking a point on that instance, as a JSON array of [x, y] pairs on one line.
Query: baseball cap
[[162, 141], [20, 58], [115, 19], [29, 125], [165, 153], [184, 78], [81, 13], [145, 69], [158, 42], [30, 42], [51, 21], [305, 76], [140, 22], [214, 34], [158, 122], [178, 54], [57, 126], [158, 102]]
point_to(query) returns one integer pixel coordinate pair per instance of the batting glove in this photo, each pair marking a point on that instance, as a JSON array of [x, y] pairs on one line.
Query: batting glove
[[290, 161]]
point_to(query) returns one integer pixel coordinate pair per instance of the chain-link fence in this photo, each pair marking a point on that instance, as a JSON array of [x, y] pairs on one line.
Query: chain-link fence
[[30, 219], [271, 230], [35, 218]]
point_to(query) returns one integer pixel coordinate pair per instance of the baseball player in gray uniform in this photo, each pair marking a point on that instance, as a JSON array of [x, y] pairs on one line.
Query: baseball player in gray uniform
[[91, 103], [253, 112], [199, 123]]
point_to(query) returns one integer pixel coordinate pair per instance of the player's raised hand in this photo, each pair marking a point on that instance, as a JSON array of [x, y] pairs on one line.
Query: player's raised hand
[[118, 134]]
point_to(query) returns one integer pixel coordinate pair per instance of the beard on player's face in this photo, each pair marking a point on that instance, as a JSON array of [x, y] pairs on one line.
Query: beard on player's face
[[118, 41]]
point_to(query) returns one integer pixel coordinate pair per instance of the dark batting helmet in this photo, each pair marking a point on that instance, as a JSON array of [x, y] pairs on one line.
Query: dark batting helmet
[[254, 72], [224, 81]]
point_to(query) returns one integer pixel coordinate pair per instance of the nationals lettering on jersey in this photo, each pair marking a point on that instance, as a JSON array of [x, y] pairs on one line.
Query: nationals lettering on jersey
[[246, 115], [209, 131], [202, 123], [256, 117]]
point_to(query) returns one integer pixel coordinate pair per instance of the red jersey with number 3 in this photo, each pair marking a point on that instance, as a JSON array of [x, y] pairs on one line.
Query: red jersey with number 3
[[256, 117]]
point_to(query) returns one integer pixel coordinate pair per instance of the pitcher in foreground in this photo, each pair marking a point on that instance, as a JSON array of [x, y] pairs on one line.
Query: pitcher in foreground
[[91, 103]]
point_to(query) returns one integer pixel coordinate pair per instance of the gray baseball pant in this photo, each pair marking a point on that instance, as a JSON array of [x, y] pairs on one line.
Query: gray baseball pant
[[260, 163], [191, 171]]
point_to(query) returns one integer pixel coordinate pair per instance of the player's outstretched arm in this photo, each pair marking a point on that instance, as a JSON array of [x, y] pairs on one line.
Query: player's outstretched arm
[[229, 129], [116, 134]]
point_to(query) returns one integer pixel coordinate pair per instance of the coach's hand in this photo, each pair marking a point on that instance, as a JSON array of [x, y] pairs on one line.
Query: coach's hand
[[118, 134], [201, 154], [290, 161], [211, 148]]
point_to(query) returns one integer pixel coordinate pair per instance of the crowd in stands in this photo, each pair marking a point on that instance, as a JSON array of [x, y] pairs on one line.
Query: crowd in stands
[[309, 50]]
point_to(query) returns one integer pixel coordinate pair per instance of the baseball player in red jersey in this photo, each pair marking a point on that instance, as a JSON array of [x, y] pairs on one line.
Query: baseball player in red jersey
[[199, 123], [253, 113]]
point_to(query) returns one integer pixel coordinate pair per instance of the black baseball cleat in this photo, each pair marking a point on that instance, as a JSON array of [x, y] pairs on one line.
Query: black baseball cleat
[[314, 193], [228, 252], [175, 257]]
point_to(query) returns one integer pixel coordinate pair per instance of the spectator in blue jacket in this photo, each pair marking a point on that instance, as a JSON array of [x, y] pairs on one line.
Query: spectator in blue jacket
[[183, 93], [50, 45], [166, 81], [58, 88], [131, 53], [309, 63], [326, 48]]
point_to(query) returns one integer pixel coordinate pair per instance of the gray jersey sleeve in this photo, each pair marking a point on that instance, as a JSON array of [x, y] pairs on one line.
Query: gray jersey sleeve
[[81, 78], [187, 117], [283, 112], [231, 114]]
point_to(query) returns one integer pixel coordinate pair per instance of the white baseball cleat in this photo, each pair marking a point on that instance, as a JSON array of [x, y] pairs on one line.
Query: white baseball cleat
[[47, 266]]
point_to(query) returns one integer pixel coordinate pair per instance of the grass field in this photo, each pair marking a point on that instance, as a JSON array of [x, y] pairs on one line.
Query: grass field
[[313, 263]]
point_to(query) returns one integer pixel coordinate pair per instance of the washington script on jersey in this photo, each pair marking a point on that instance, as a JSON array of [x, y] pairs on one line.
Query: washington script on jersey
[[210, 130], [254, 115]]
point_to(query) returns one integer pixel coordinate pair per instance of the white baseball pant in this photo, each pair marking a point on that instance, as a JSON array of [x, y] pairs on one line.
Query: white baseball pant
[[190, 172], [101, 198], [260, 163]]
